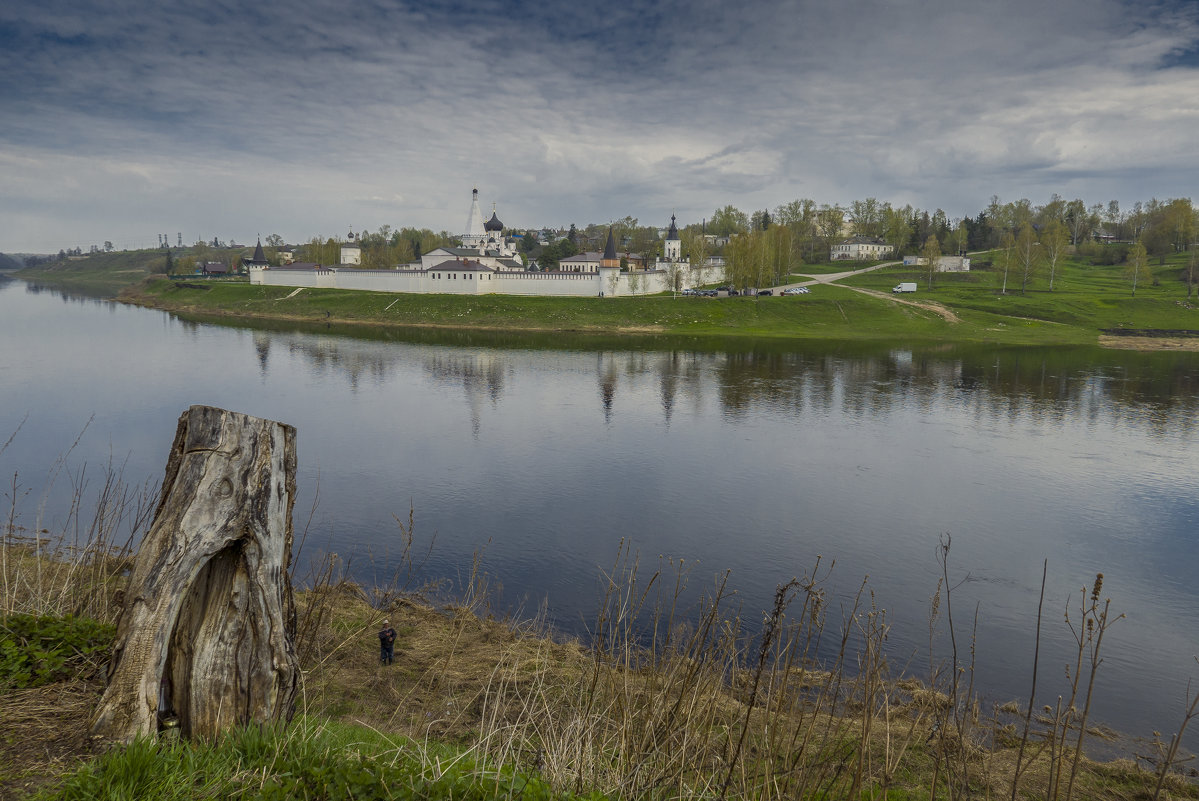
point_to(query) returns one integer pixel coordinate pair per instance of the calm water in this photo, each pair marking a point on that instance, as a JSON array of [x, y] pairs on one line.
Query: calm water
[[544, 456]]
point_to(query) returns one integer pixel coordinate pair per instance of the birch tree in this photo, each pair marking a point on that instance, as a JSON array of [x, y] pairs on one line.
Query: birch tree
[[1028, 255], [1007, 244], [1137, 266], [931, 252], [1054, 239]]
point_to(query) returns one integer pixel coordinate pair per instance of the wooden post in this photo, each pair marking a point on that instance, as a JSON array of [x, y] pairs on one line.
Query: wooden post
[[206, 638]]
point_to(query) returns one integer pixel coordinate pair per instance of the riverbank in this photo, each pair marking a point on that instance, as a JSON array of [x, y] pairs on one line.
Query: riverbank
[[1088, 303], [829, 313], [480, 707]]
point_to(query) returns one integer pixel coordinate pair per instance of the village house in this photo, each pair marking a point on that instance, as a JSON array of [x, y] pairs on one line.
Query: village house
[[860, 248]]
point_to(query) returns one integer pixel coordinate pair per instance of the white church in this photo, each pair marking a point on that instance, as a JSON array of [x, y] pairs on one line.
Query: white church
[[488, 263]]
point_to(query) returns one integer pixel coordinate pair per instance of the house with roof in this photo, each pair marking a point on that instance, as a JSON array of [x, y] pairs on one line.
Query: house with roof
[[860, 248]]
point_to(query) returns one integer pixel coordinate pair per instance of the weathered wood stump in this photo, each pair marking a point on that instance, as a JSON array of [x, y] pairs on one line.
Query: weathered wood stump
[[206, 635]]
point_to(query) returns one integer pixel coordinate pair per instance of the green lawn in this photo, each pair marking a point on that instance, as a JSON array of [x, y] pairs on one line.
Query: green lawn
[[1090, 297]]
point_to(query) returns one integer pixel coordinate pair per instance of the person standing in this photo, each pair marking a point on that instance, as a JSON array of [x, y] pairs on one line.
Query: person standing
[[387, 639]]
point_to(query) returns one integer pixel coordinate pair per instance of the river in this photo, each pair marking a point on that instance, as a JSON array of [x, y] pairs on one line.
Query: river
[[539, 456]]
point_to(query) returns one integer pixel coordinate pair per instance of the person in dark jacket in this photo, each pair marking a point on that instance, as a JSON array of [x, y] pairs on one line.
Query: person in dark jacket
[[387, 639]]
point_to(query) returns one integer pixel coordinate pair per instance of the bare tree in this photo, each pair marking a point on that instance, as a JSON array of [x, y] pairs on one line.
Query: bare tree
[[1054, 239], [1028, 255]]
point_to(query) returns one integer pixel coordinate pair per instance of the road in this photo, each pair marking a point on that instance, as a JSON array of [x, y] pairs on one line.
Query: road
[[832, 278]]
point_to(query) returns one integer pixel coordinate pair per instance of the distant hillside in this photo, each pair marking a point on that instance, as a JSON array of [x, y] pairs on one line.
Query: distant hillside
[[9, 263], [127, 266]]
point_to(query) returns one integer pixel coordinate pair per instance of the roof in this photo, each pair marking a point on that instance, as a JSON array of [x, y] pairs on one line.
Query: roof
[[466, 265], [590, 255], [673, 233], [858, 239], [299, 265], [494, 223], [610, 248], [450, 251]]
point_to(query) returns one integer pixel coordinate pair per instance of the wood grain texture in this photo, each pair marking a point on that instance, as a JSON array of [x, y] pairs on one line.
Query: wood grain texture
[[206, 634]]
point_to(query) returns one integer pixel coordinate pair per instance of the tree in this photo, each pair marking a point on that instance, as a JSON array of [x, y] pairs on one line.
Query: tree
[[1137, 266], [1077, 219], [829, 219], [274, 241], [1028, 254], [1007, 243], [897, 228], [868, 217], [960, 238], [1190, 274], [169, 265], [728, 221], [107, 246], [1054, 239], [799, 216], [932, 253]]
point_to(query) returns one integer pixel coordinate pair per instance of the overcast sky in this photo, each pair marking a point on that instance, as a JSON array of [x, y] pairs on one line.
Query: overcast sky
[[123, 119]]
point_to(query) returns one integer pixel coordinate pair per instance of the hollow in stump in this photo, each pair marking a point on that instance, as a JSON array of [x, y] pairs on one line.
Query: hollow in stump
[[206, 637]]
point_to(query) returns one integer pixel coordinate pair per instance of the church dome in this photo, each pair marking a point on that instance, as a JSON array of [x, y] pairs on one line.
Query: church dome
[[494, 223]]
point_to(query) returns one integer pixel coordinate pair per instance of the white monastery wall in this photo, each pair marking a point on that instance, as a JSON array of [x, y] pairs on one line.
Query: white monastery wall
[[607, 281]]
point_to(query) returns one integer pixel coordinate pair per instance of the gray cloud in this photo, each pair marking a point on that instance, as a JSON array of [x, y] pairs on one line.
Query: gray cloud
[[124, 119]]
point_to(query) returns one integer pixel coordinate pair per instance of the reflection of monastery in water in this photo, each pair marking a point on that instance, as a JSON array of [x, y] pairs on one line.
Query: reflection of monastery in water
[[488, 264]]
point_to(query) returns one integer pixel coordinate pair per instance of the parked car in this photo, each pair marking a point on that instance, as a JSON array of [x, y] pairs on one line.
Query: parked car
[[764, 292], [733, 293], [796, 290]]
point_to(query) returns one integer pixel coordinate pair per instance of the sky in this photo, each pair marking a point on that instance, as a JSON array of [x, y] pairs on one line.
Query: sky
[[124, 119]]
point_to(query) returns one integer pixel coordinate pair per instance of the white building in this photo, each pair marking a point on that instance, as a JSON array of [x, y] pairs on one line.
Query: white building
[[351, 251], [860, 248], [672, 257], [945, 264], [487, 238], [489, 265]]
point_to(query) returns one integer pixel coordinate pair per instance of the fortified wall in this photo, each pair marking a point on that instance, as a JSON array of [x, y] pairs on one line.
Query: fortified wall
[[604, 282]]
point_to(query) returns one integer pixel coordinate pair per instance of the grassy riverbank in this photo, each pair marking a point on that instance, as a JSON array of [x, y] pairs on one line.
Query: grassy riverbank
[[1086, 301], [664, 702]]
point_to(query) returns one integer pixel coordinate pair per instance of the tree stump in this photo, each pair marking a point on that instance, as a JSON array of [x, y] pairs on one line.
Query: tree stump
[[206, 637]]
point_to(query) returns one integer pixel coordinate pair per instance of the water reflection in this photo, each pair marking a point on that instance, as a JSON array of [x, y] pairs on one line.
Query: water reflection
[[1158, 390]]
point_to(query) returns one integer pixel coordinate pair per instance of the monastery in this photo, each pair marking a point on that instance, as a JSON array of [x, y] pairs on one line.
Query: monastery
[[488, 263]]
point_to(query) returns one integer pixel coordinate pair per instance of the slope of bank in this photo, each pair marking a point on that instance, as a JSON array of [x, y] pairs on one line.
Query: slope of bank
[[480, 708], [829, 312]]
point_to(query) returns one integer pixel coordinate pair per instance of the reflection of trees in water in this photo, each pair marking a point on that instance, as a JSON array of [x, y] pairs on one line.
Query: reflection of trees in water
[[262, 347], [82, 296], [1045, 385], [1161, 390], [480, 373]]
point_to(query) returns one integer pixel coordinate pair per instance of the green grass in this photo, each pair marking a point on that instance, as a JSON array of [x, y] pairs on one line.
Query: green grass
[[828, 267], [311, 759], [1089, 297], [829, 312]]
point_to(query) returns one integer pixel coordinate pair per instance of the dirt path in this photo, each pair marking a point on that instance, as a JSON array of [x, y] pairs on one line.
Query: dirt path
[[927, 305], [943, 312]]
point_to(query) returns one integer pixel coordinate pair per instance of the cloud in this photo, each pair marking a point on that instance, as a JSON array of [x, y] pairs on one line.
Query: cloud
[[302, 117]]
